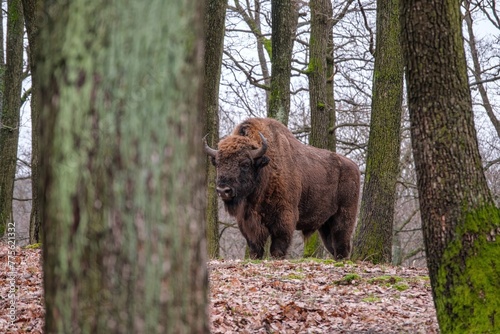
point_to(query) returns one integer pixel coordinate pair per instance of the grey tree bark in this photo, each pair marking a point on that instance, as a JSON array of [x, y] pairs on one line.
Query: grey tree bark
[[460, 222], [320, 98], [284, 24], [31, 9], [214, 30], [373, 238], [9, 113], [123, 168]]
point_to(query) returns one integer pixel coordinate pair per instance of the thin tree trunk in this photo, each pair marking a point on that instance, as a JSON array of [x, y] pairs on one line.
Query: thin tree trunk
[[373, 238], [321, 110], [330, 73], [460, 222], [214, 29], [31, 9], [2, 60], [316, 72], [9, 114], [284, 22], [123, 168]]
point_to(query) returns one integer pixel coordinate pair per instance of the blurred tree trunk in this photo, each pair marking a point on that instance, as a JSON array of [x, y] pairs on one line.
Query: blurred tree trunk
[[460, 222], [9, 113], [122, 167], [322, 111], [214, 28], [284, 24], [373, 237], [31, 9]]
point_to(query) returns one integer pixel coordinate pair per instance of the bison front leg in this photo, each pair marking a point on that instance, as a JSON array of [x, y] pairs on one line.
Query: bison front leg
[[281, 237], [280, 245], [256, 236], [256, 249]]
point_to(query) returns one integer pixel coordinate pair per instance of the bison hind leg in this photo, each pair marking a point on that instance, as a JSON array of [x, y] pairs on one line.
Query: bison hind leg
[[337, 234], [325, 231], [307, 233]]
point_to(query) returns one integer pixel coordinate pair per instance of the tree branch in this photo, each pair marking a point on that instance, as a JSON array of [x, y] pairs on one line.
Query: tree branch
[[367, 26]]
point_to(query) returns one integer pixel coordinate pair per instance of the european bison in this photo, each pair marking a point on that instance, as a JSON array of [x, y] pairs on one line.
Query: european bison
[[274, 184]]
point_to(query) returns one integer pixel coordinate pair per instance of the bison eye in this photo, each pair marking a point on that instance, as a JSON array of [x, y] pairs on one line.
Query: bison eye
[[245, 165]]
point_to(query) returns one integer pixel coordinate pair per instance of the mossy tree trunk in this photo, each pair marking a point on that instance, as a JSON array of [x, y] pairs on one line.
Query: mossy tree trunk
[[373, 237], [284, 17], [317, 73], [214, 29], [461, 225], [123, 169], [321, 109], [330, 83], [284, 25], [9, 113], [31, 9]]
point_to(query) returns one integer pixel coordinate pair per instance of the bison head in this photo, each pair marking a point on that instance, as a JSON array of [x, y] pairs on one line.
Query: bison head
[[238, 162]]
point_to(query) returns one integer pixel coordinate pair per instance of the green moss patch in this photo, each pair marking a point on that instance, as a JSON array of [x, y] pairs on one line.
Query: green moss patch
[[33, 246], [296, 276], [348, 279], [371, 299]]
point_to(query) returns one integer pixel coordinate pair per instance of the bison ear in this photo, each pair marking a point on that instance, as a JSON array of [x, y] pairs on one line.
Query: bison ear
[[212, 160], [244, 130], [261, 162]]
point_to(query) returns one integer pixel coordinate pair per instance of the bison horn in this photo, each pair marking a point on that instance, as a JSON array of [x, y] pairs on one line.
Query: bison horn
[[210, 151], [259, 152]]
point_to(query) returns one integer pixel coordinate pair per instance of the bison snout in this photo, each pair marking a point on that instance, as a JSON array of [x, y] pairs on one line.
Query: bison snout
[[225, 192]]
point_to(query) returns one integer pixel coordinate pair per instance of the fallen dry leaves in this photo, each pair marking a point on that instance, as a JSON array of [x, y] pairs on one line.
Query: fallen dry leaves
[[26, 269], [303, 296], [309, 296]]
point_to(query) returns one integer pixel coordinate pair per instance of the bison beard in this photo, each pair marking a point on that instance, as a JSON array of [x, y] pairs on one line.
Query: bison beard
[[273, 184]]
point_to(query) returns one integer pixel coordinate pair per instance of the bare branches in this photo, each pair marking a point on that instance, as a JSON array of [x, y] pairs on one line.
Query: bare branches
[[248, 73], [367, 26], [336, 19]]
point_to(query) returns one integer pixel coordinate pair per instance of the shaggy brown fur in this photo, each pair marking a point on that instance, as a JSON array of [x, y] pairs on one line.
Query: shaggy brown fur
[[292, 186]]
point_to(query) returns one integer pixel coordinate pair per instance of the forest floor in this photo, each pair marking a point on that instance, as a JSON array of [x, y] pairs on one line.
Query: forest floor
[[292, 296]]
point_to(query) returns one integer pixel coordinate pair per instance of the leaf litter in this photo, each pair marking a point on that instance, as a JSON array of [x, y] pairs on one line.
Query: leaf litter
[[311, 296], [288, 296]]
